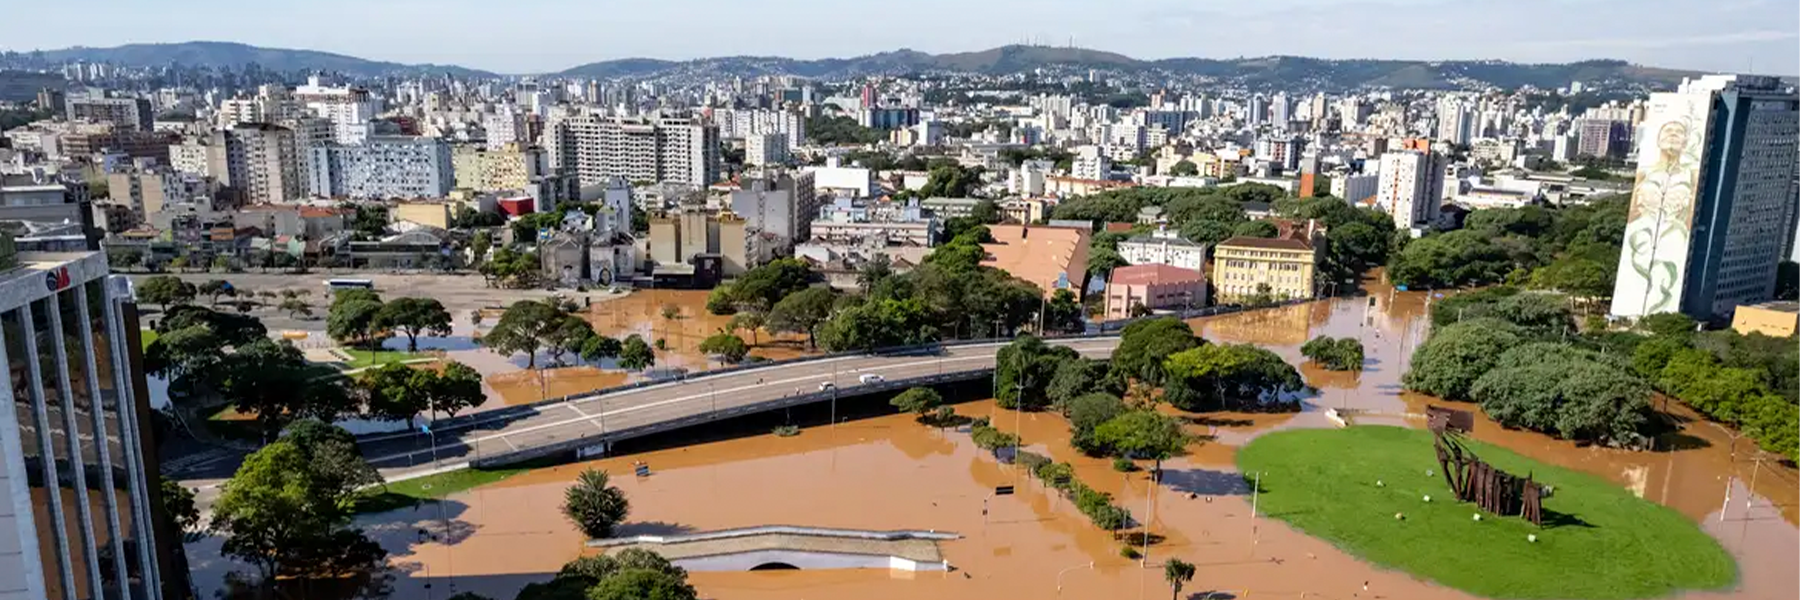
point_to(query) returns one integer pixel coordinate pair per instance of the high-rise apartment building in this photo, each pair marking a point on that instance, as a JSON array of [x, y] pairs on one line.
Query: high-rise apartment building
[[383, 167], [258, 162], [1455, 122], [1712, 208], [349, 109], [123, 113], [76, 513], [508, 168], [765, 149], [1091, 163], [1410, 188], [596, 148], [1603, 138]]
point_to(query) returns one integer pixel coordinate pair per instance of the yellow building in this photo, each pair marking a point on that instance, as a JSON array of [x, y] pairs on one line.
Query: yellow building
[[511, 168], [1773, 319], [1243, 265], [435, 214]]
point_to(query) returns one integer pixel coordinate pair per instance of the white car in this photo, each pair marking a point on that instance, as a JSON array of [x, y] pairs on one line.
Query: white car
[[868, 378], [826, 386]]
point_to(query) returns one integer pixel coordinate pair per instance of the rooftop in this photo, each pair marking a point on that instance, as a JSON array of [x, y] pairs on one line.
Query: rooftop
[[1039, 254], [1266, 243], [1153, 273]]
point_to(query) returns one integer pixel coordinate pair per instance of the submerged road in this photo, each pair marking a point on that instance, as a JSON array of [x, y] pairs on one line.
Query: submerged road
[[577, 423]]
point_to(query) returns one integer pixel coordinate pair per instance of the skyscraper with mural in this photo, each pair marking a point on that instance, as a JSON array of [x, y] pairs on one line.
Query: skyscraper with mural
[[1711, 208]]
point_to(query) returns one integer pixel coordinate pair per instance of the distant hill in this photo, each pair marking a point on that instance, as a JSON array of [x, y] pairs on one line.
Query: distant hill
[[1272, 71], [236, 56], [1262, 72]]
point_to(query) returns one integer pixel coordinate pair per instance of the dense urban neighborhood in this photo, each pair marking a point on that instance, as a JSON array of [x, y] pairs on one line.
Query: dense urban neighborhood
[[1023, 323]]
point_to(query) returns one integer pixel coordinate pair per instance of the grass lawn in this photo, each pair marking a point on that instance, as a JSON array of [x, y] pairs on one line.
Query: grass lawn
[[148, 336], [228, 423], [1598, 542], [412, 492], [369, 358]]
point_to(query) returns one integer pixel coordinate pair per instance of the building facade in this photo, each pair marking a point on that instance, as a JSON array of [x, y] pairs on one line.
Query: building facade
[[383, 167], [75, 500], [597, 148], [123, 113], [1153, 287], [1164, 247], [509, 168], [1410, 188], [1245, 267], [1712, 210], [258, 161]]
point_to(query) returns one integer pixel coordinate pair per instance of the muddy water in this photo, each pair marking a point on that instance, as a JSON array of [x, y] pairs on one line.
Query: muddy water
[[890, 472], [525, 387], [641, 313]]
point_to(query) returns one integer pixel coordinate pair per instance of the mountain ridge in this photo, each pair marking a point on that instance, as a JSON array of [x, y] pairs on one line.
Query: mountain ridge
[[1255, 72]]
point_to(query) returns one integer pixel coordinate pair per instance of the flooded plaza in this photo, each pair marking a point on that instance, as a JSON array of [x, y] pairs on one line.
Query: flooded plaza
[[890, 472]]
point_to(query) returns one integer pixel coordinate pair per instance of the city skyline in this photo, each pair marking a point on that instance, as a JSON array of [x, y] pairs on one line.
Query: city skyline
[[1731, 36]]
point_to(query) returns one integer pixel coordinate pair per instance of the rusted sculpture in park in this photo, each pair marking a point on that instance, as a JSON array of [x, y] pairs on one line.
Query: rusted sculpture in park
[[1472, 479]]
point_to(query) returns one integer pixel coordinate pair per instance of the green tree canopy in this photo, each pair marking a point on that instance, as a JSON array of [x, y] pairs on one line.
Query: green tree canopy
[[1144, 344], [167, 290], [803, 311], [1448, 363], [727, 347], [1023, 372], [1226, 376], [919, 400], [526, 326], [413, 317], [636, 355], [594, 505]]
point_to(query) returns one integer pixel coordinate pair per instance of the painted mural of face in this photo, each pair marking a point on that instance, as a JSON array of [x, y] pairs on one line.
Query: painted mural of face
[[1671, 140]]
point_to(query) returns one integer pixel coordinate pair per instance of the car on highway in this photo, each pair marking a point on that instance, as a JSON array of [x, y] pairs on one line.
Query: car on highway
[[826, 386], [868, 378]]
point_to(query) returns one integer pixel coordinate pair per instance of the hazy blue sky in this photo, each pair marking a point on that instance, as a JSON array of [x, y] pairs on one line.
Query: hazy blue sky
[[522, 36]]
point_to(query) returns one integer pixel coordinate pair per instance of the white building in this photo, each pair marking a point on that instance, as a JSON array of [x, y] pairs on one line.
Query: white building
[[349, 109], [1455, 122], [1354, 188], [597, 148], [382, 168], [1410, 188], [854, 182], [1164, 247], [259, 161], [1090, 162], [762, 149]]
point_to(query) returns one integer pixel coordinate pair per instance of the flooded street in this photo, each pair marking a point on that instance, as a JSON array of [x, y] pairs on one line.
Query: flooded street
[[890, 472], [641, 313]]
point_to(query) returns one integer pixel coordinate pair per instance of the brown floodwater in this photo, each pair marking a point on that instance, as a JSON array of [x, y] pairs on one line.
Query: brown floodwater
[[525, 387], [641, 313], [891, 472]]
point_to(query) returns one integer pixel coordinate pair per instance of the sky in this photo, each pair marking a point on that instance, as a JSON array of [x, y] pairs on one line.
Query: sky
[[534, 36]]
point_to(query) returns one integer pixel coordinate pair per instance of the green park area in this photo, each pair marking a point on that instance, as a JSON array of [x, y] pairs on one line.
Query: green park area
[[1598, 541], [361, 357], [411, 492]]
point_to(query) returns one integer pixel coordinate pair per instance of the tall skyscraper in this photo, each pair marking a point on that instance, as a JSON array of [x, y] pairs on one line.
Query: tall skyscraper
[[1455, 123], [1411, 187], [596, 149], [76, 513], [1711, 211]]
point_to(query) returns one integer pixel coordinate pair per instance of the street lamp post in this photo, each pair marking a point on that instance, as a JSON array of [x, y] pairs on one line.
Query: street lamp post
[[1059, 575]]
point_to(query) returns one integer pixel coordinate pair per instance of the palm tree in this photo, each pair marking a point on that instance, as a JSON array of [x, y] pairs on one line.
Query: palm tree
[[593, 505], [1178, 572]]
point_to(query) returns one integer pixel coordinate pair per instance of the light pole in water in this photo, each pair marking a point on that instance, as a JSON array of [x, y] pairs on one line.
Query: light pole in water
[[1059, 575]]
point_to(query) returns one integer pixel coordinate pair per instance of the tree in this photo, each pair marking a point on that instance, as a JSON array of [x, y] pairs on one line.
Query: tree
[[1023, 371], [1142, 434], [670, 312], [635, 355], [295, 307], [1144, 344], [396, 392], [273, 381], [764, 286], [803, 312], [167, 290], [353, 321], [1668, 324], [524, 327], [414, 316], [178, 503], [1074, 378], [216, 288], [454, 389], [878, 324], [1335, 354], [1087, 412], [594, 505], [1178, 573], [281, 514], [1457, 258], [1448, 363], [642, 584], [919, 401], [1063, 313], [1255, 229], [749, 318], [600, 347], [1184, 168], [727, 347], [1221, 376], [568, 335]]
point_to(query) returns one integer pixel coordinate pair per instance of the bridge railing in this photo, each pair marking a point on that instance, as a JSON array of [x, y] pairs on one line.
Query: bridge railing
[[705, 416]]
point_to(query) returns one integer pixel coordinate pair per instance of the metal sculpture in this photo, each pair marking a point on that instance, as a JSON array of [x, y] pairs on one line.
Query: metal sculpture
[[1474, 480]]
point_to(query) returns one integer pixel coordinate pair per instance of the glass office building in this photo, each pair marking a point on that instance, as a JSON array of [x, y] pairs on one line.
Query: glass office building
[[75, 512]]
